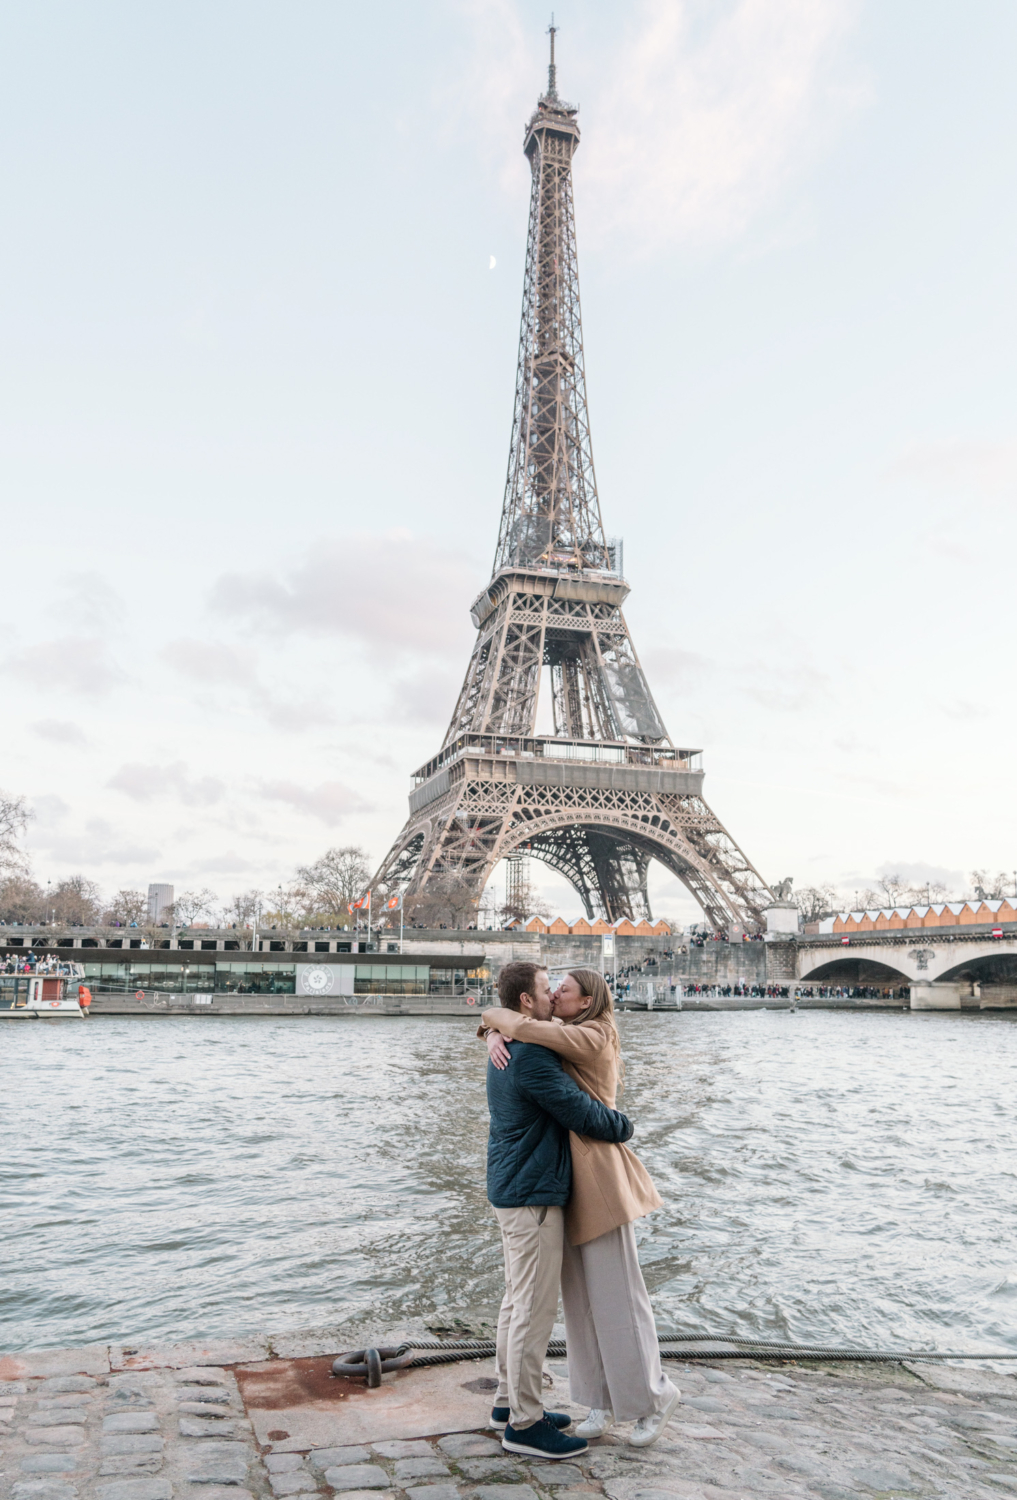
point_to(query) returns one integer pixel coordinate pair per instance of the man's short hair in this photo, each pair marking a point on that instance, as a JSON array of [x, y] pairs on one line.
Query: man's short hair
[[516, 980]]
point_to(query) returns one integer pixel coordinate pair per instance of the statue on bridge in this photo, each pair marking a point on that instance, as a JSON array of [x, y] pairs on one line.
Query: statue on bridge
[[782, 890]]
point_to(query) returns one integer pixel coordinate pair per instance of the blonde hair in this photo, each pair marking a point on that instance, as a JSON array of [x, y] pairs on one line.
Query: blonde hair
[[601, 1000]]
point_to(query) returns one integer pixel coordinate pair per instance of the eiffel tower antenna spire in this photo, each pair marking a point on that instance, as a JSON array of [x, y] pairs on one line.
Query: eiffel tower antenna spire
[[606, 790]]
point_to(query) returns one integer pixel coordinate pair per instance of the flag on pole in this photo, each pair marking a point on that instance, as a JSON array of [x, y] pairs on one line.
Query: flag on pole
[[394, 903], [364, 901]]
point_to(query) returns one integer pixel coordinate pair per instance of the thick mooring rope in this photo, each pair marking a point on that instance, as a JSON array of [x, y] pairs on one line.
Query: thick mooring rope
[[434, 1352]]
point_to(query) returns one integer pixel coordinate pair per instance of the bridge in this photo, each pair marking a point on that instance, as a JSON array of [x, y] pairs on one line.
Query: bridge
[[946, 968]]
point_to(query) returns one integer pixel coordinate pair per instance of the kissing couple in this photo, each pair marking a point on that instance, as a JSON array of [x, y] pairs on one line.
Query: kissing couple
[[566, 1191]]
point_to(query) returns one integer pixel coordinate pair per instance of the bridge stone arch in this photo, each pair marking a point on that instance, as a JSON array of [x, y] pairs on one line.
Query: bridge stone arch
[[853, 970], [924, 960]]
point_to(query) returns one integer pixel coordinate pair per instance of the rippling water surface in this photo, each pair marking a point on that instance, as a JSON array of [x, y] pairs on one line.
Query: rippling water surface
[[825, 1177]]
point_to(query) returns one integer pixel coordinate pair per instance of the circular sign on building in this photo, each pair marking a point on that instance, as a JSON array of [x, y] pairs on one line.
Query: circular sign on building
[[318, 979]]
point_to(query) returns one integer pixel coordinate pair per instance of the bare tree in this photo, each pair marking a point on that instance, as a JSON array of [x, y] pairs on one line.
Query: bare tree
[[286, 908], [127, 906], [22, 900], [15, 815], [192, 906], [893, 891], [239, 910], [327, 887], [446, 901], [988, 887], [931, 893], [816, 901], [76, 901]]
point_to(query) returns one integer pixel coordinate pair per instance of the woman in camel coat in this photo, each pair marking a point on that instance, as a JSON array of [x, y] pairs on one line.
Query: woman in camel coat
[[614, 1360]]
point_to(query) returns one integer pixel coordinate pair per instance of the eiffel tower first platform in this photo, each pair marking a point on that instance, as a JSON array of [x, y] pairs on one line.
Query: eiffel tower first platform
[[608, 791]]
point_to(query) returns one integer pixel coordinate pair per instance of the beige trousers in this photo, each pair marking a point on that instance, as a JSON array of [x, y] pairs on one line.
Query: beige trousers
[[614, 1358], [532, 1240]]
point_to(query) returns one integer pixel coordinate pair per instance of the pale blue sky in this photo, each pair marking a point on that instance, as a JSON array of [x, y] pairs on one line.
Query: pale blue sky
[[257, 382]]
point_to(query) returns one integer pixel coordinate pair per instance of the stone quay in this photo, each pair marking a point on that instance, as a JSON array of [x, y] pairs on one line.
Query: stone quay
[[259, 1418]]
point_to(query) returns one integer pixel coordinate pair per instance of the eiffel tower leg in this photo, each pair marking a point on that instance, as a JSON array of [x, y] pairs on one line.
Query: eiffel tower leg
[[450, 840]]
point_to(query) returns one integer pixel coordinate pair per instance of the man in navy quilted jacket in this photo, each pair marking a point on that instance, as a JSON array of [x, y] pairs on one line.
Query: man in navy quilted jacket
[[534, 1104]]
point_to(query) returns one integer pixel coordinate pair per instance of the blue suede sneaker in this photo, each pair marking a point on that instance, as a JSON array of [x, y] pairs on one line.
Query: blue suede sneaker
[[542, 1440], [500, 1416]]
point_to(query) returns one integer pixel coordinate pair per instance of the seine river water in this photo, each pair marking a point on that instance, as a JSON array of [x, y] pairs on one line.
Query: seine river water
[[825, 1177]]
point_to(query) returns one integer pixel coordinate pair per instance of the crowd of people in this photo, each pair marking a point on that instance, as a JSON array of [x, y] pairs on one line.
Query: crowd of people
[[701, 939], [29, 963], [786, 992]]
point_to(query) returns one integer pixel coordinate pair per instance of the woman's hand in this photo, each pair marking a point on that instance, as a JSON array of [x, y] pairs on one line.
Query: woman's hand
[[497, 1050]]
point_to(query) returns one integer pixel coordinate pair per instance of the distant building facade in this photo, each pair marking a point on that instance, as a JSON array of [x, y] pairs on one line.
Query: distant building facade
[[159, 898]]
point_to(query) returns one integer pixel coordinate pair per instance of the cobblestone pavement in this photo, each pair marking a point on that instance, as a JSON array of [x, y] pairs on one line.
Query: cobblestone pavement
[[741, 1431]]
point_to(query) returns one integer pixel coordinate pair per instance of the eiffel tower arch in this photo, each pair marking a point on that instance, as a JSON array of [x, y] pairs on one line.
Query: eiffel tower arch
[[608, 790]]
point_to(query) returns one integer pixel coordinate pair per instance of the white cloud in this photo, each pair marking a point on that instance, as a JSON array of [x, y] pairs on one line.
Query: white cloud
[[214, 664], [60, 732], [79, 663], [963, 710], [670, 667], [49, 809], [145, 783], [427, 697], [330, 801], [88, 599], [100, 844], [228, 863], [292, 715], [495, 84], [711, 112], [961, 466], [210, 662], [791, 689], [916, 872], [395, 593]]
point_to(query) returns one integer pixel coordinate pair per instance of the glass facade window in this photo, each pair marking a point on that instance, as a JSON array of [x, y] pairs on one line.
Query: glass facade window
[[391, 979], [457, 981], [149, 975], [246, 976]]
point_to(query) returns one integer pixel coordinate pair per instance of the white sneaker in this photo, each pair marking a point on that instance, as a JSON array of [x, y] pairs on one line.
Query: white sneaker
[[595, 1424], [648, 1429]]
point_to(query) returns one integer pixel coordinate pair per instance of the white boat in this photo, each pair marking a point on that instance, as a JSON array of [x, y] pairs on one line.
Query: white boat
[[55, 991]]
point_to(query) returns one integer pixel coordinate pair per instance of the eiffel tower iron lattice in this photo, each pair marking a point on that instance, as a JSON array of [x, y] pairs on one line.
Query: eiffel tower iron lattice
[[608, 790]]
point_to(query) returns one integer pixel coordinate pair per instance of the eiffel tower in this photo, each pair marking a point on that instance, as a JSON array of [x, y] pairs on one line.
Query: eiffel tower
[[608, 790]]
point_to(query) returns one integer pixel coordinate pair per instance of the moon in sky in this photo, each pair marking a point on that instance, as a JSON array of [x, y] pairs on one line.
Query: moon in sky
[[493, 264]]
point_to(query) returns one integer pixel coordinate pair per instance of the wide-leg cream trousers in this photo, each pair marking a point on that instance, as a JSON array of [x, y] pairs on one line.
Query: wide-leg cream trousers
[[614, 1357], [532, 1240]]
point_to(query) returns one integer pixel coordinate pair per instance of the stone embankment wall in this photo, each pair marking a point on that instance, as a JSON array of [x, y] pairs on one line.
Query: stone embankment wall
[[285, 1005]]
